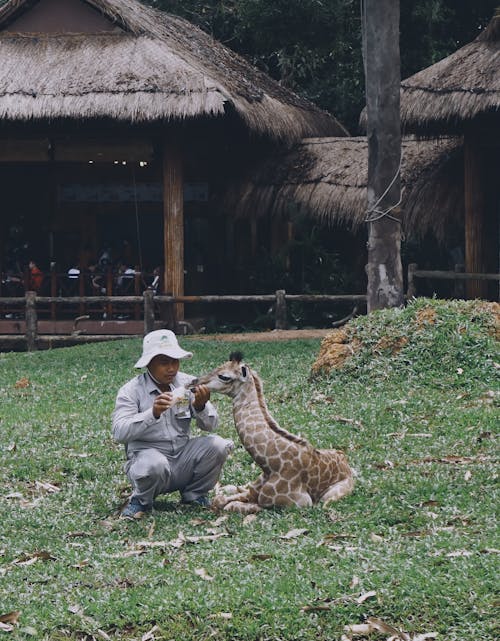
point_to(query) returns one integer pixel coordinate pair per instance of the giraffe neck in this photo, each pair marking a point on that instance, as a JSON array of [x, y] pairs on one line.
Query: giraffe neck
[[250, 421], [255, 425]]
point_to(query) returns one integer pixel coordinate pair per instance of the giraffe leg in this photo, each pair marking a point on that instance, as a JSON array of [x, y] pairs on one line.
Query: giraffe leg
[[246, 495], [242, 507], [337, 491]]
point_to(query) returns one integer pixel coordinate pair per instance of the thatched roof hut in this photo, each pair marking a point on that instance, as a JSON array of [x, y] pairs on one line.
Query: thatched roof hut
[[461, 94], [136, 64], [465, 86], [326, 179]]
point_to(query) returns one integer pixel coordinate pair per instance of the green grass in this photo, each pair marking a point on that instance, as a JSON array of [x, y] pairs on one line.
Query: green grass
[[419, 530]]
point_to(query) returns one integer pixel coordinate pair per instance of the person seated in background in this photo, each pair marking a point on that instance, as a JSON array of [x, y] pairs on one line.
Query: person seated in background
[[35, 277], [97, 282], [155, 283], [73, 280], [124, 279]]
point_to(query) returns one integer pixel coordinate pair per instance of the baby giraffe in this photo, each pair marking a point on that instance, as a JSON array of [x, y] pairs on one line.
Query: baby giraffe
[[293, 471]]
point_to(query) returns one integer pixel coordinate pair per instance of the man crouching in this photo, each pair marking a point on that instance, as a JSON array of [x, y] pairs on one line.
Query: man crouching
[[152, 417]]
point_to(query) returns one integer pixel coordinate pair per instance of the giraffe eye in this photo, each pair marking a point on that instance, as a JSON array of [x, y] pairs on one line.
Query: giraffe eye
[[224, 379]]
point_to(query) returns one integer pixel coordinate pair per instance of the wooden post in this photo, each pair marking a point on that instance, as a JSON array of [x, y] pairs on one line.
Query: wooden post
[[475, 242], [53, 290], [31, 322], [81, 290], [382, 71], [149, 311], [412, 288], [280, 322], [458, 285], [173, 222]]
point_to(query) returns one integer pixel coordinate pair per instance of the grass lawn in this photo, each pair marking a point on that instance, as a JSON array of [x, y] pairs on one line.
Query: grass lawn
[[415, 546]]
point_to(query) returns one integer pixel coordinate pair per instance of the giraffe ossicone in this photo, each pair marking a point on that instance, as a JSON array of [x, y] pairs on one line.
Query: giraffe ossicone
[[294, 472]]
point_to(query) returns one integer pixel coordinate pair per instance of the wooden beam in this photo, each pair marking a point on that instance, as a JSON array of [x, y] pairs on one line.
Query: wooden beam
[[475, 214], [173, 225]]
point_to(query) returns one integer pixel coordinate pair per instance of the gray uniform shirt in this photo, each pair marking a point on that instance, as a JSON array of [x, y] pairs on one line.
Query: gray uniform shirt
[[136, 427]]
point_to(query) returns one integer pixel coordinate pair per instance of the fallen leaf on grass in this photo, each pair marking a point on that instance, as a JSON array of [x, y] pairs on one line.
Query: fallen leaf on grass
[[29, 559], [261, 557], [457, 553], [249, 518], [150, 636], [376, 625], [425, 636], [6, 627], [203, 574], [47, 487], [294, 534], [11, 447], [367, 595], [22, 383], [221, 615], [375, 538], [315, 608], [351, 421], [10, 617]]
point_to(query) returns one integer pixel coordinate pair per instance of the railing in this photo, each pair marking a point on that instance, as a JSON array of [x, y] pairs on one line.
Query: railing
[[149, 300], [457, 275]]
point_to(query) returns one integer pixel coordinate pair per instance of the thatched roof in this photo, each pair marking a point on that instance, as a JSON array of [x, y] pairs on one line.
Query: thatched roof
[[457, 89], [326, 179], [152, 67]]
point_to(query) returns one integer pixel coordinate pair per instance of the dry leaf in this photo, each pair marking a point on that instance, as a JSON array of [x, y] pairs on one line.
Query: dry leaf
[[48, 487], [354, 582], [375, 538], [149, 636], [22, 382], [381, 626], [203, 574], [468, 475], [359, 629], [222, 615], [367, 595], [424, 637], [249, 518], [315, 608], [10, 617], [6, 627], [261, 557], [103, 635], [295, 533], [459, 553]]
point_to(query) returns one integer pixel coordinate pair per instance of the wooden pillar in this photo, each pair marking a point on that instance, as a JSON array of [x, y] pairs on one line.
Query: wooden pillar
[[173, 226], [475, 215]]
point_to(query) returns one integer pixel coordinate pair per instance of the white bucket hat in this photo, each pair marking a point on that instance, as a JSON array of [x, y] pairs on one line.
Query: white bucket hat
[[161, 341]]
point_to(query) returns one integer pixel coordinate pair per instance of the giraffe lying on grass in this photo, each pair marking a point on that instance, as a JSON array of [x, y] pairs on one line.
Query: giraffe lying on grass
[[293, 471]]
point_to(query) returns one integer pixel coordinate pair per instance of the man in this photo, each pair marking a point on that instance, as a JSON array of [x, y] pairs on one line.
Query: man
[[162, 456]]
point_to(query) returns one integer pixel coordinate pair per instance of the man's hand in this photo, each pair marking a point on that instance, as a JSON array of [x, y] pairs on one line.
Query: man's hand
[[201, 396], [162, 402]]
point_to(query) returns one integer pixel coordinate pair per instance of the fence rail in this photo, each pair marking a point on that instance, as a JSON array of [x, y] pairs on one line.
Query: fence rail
[[457, 275], [149, 301]]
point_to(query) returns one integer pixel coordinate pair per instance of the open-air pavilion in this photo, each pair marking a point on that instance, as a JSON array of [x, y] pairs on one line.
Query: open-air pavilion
[[119, 127]]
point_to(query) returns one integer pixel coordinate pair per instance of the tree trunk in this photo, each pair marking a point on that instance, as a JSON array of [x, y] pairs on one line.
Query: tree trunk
[[382, 71]]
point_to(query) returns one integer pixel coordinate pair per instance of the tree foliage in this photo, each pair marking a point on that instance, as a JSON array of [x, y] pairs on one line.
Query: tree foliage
[[314, 46]]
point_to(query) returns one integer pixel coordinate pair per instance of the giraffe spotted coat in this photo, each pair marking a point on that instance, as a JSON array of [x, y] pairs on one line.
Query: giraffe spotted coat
[[293, 471]]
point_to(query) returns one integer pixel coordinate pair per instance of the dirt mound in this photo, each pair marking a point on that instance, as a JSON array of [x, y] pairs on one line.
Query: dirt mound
[[388, 332]]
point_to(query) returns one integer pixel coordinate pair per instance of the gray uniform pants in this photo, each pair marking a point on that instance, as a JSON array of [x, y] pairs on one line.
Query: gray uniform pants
[[193, 471]]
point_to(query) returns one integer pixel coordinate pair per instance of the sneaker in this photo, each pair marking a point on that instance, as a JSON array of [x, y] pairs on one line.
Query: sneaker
[[135, 509], [199, 501]]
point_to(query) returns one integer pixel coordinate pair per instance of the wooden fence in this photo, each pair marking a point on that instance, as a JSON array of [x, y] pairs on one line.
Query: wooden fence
[[414, 272], [148, 301]]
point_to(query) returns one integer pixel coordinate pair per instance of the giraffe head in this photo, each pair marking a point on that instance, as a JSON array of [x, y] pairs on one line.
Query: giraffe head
[[228, 378]]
